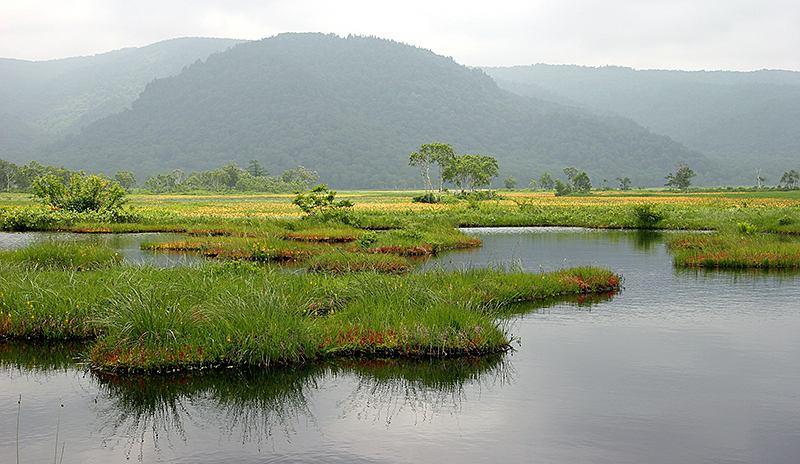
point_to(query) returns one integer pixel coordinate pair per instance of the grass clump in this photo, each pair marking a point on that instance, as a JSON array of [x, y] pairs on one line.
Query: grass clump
[[236, 314], [744, 250], [339, 263], [62, 255]]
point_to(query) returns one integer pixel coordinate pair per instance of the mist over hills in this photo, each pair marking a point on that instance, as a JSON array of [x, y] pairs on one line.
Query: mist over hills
[[353, 109], [740, 120], [40, 101]]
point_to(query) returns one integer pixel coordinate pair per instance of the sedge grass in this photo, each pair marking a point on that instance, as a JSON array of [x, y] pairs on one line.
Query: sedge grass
[[147, 319], [740, 250], [62, 255]]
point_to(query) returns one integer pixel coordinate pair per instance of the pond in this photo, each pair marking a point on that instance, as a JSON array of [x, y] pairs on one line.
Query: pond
[[126, 244], [681, 366]]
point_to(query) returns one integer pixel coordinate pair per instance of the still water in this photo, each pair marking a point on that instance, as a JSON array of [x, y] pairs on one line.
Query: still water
[[681, 366]]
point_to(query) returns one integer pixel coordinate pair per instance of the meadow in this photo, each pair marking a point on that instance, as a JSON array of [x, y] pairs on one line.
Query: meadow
[[359, 295]]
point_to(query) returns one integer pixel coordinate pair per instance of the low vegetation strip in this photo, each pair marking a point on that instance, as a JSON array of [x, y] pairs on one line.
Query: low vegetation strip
[[736, 251], [233, 314]]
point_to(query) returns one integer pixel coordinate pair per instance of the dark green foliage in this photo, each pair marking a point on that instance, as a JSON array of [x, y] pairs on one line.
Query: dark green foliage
[[740, 120], [44, 98], [648, 215], [81, 193], [352, 109], [681, 178], [425, 198], [319, 200]]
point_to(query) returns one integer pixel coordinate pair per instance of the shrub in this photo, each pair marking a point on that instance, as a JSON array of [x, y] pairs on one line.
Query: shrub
[[746, 228], [426, 198], [646, 215], [81, 193]]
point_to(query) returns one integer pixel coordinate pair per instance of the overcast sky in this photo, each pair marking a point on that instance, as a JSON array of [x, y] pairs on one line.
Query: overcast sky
[[739, 35]]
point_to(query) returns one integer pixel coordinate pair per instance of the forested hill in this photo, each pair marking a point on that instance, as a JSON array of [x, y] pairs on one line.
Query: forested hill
[[741, 120], [353, 109], [40, 99]]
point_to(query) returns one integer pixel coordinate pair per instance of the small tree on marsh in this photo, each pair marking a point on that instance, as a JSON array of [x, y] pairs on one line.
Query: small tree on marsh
[[681, 179], [319, 200]]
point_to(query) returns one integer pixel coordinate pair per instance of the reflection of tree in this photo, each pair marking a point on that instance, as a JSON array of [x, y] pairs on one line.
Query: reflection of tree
[[425, 387]]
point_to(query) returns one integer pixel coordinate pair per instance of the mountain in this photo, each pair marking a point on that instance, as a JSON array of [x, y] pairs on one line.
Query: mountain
[[354, 109], [42, 100], [742, 120]]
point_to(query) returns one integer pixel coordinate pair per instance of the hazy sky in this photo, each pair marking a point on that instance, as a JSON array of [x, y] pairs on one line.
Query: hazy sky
[[669, 34]]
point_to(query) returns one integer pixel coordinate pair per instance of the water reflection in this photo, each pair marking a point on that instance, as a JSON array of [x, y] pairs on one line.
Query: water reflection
[[647, 240], [251, 404], [128, 245], [28, 358], [256, 406], [582, 302], [427, 388]]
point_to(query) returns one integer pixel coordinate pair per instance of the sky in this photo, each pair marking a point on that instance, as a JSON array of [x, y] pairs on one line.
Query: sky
[[738, 35]]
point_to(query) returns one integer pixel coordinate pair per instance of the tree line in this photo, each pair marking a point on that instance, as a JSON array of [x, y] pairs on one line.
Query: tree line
[[231, 177]]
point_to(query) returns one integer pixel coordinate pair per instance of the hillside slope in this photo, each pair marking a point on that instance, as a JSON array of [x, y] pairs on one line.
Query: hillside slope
[[742, 120], [353, 109], [40, 99]]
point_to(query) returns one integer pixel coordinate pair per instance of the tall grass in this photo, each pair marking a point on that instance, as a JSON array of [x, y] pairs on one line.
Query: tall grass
[[741, 250], [62, 255], [142, 318]]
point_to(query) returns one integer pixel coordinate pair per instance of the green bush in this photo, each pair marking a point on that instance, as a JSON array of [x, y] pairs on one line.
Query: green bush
[[647, 215], [81, 193]]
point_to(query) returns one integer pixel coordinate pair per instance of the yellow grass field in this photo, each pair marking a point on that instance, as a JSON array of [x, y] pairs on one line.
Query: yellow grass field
[[264, 206]]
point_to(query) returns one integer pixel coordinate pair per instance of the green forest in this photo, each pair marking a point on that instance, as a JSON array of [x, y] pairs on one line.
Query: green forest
[[743, 121], [353, 108]]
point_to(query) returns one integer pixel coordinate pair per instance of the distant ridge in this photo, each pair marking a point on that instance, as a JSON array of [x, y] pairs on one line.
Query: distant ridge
[[741, 120], [353, 109], [47, 98]]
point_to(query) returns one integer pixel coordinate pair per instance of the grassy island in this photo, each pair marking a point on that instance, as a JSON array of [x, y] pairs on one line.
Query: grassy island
[[238, 313]]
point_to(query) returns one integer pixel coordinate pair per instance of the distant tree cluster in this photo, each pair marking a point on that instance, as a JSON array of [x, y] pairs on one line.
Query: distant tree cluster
[[231, 177], [466, 172], [23, 178], [790, 178]]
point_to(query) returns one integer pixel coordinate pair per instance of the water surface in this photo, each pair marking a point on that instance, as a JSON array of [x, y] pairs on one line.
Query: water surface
[[681, 366]]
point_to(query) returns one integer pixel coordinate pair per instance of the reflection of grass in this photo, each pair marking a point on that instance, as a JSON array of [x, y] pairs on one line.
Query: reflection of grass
[[256, 405], [735, 251], [39, 357]]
